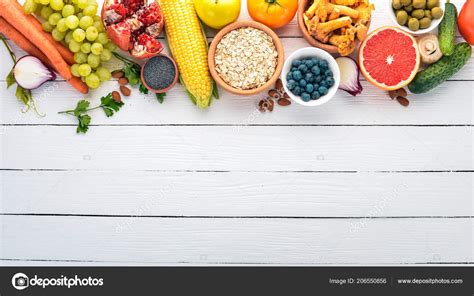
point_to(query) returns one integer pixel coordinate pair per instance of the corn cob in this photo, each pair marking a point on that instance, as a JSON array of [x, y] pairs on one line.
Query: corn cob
[[188, 45]]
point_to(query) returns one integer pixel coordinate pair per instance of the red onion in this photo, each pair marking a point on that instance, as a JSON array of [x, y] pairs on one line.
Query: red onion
[[31, 73], [350, 75]]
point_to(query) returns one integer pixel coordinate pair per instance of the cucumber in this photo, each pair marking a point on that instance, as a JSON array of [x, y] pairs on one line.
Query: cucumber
[[447, 29], [442, 70]]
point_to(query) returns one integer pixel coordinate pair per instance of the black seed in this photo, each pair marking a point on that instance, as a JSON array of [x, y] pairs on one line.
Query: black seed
[[159, 72]]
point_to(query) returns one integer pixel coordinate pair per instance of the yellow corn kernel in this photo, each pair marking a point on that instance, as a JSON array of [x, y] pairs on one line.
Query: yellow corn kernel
[[189, 47]]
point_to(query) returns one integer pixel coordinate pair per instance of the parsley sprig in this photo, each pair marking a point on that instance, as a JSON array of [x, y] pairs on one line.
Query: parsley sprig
[[107, 104], [132, 72]]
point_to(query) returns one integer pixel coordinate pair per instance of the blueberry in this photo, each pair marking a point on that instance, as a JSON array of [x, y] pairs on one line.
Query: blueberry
[[324, 84], [328, 73], [330, 81], [297, 75], [289, 76], [309, 88], [303, 68], [315, 95], [308, 77], [291, 84], [323, 90], [315, 70], [303, 83], [315, 60], [293, 69], [318, 79], [305, 97], [297, 91], [316, 86], [309, 63], [296, 63], [323, 64]]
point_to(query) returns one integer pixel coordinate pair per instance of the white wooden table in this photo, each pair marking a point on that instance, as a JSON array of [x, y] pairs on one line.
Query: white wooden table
[[357, 181]]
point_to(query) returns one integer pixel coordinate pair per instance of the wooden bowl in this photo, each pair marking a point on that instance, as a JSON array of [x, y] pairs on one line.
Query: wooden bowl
[[218, 38], [303, 5]]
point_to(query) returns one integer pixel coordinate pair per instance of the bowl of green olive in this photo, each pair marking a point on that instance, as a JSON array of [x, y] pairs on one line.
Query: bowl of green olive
[[416, 16]]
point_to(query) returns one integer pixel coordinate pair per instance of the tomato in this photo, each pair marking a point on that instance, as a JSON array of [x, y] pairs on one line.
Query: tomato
[[273, 13], [217, 13], [466, 21]]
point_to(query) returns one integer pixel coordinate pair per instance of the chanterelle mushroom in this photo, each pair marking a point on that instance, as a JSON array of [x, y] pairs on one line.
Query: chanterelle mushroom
[[322, 31]]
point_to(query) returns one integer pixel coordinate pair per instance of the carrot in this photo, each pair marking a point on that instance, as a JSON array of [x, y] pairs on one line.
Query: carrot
[[20, 21], [20, 40], [67, 55], [7, 30], [78, 84]]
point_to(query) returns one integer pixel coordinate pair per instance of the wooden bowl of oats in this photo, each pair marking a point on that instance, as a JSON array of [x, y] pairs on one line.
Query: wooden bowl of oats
[[246, 58]]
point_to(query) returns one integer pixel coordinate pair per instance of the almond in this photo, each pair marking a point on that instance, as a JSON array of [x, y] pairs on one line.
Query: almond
[[392, 94], [284, 102], [279, 84], [403, 101], [117, 74], [123, 81], [116, 96], [125, 90], [402, 92]]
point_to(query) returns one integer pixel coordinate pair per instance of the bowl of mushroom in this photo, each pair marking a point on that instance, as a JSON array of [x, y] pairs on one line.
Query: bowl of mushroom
[[246, 58], [336, 26]]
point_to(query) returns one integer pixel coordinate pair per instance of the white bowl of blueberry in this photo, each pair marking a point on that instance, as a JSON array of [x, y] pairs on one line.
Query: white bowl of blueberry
[[310, 76]]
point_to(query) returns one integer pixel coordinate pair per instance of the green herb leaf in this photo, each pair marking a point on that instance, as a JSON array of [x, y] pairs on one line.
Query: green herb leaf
[[81, 107], [109, 105], [132, 74], [143, 89], [160, 97], [84, 121], [24, 95], [10, 79]]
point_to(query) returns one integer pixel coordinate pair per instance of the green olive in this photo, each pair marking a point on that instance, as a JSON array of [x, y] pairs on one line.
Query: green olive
[[419, 4], [428, 14], [406, 2], [436, 12], [425, 23], [413, 24], [432, 3], [409, 8], [402, 17], [418, 13], [397, 4]]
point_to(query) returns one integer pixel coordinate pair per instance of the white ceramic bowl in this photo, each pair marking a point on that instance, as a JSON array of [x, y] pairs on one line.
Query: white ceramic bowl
[[434, 23], [310, 52]]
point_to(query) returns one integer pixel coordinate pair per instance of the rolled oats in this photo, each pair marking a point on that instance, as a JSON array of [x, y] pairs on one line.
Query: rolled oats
[[246, 58]]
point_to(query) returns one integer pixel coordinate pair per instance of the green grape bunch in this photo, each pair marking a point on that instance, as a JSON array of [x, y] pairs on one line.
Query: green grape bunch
[[77, 25]]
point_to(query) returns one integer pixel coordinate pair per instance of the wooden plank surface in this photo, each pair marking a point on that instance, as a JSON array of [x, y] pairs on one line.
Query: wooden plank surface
[[211, 194], [285, 241], [226, 148]]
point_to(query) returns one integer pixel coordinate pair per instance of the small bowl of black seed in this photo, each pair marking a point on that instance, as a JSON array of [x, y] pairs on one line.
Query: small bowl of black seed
[[159, 73]]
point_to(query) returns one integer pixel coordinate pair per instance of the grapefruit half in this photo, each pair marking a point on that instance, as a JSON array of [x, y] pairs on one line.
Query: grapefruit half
[[389, 58]]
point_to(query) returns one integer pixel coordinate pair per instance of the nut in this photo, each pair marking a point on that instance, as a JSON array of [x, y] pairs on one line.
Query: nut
[[116, 96], [284, 102], [403, 101], [117, 74], [125, 90], [402, 92], [123, 81]]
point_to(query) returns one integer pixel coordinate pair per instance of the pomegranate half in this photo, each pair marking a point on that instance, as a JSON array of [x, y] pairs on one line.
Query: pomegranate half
[[134, 26]]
